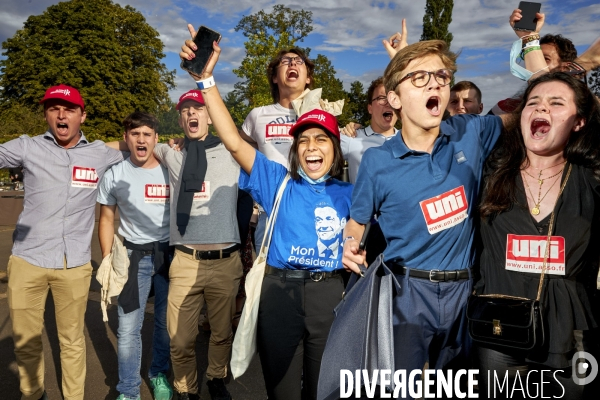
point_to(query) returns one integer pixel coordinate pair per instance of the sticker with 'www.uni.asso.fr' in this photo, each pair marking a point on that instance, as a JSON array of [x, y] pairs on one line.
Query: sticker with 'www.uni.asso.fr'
[[84, 177], [446, 210], [156, 193], [525, 253]]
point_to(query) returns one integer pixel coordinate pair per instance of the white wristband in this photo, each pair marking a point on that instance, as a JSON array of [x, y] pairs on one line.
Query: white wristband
[[206, 83]]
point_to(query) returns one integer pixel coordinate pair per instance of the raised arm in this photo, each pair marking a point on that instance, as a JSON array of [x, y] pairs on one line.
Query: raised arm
[[241, 151], [397, 41], [533, 56], [590, 59]]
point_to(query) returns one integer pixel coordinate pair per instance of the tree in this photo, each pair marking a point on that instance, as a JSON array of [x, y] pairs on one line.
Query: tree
[[333, 88], [594, 81], [358, 104], [437, 18], [108, 52]]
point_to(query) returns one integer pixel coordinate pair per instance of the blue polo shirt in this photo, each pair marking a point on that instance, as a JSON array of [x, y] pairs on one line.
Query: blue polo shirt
[[427, 202]]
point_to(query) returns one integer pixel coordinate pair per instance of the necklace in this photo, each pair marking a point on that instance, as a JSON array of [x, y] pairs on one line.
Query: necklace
[[539, 178], [536, 209]]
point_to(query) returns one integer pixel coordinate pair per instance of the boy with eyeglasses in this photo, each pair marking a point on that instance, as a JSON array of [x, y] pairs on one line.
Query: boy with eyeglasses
[[289, 73], [424, 183]]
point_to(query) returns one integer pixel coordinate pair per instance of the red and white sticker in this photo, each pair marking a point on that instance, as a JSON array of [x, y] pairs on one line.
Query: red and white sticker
[[156, 193], [278, 133], [525, 253], [204, 194], [84, 178], [446, 210]]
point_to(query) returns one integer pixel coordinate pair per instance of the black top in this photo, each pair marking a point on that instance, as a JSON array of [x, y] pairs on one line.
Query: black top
[[567, 299]]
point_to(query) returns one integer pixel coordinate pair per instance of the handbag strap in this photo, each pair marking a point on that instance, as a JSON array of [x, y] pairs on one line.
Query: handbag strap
[[550, 227], [271, 220]]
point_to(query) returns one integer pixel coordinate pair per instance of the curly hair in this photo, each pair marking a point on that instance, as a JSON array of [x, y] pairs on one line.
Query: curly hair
[[510, 155]]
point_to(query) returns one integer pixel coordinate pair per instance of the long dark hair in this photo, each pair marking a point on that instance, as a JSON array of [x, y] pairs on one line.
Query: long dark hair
[[337, 165], [582, 147]]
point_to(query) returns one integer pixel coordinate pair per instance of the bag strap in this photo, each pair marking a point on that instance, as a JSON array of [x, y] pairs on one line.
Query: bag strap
[[550, 227], [271, 221]]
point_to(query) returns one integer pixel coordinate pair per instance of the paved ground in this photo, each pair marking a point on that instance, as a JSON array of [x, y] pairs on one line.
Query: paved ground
[[102, 373]]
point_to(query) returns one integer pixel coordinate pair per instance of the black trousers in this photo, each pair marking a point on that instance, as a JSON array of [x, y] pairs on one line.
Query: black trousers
[[294, 319], [556, 383]]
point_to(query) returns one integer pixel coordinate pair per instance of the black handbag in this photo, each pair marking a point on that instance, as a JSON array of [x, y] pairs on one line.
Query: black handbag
[[508, 321], [361, 335]]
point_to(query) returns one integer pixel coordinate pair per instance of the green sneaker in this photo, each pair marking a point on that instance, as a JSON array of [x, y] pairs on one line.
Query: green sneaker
[[122, 397], [160, 386]]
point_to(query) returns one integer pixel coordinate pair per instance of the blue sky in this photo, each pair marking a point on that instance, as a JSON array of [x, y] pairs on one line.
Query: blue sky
[[349, 33]]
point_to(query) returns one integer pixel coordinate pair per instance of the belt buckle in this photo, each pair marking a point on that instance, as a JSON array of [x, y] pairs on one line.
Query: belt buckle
[[316, 276], [431, 272]]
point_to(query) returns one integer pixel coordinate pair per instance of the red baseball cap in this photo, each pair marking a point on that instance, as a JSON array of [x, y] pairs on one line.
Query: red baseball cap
[[193, 95], [317, 117], [66, 93]]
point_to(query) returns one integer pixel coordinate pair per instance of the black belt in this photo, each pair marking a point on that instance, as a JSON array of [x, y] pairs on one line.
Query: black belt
[[209, 254], [434, 275], [300, 273]]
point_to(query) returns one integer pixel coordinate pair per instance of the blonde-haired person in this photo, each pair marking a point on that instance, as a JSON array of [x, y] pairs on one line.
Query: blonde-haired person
[[424, 184]]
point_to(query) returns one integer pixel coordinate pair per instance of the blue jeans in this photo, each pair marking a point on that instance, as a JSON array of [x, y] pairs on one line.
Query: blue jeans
[[129, 336]]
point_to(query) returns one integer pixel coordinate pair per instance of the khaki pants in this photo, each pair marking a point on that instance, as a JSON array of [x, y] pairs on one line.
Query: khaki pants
[[27, 292], [191, 283]]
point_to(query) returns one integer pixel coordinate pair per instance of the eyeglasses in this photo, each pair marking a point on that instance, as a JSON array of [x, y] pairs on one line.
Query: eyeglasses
[[421, 78], [288, 60], [381, 100]]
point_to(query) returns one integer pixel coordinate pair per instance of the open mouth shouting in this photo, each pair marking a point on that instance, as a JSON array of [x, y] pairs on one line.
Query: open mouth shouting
[[539, 128], [193, 125], [314, 163], [433, 106], [62, 129], [388, 116], [292, 75], [141, 151]]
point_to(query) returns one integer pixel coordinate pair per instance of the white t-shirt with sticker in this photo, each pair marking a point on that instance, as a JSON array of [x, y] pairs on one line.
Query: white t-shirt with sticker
[[142, 197], [269, 127]]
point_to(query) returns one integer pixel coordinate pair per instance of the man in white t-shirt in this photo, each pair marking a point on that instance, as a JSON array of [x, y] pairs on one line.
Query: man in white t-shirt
[[289, 73], [139, 187]]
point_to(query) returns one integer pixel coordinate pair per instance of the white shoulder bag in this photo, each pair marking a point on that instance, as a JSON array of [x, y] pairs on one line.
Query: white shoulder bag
[[244, 343]]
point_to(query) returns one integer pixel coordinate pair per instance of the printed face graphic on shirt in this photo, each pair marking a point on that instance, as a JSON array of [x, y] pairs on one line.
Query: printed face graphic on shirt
[[84, 177], [446, 210], [328, 226]]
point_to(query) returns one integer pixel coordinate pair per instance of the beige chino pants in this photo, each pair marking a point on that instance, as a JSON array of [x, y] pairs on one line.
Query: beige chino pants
[[27, 292], [191, 283]]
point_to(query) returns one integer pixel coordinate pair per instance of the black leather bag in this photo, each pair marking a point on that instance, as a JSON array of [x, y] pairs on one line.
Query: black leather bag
[[508, 321], [361, 336]]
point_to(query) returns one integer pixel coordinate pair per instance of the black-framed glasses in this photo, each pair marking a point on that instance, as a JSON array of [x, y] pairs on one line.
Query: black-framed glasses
[[381, 100], [421, 78], [288, 60]]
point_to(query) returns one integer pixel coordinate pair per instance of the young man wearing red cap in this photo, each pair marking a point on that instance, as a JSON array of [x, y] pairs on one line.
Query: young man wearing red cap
[[52, 239], [207, 266]]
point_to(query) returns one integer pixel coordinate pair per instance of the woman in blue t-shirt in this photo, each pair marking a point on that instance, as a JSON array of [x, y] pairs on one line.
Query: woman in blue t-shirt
[[302, 282]]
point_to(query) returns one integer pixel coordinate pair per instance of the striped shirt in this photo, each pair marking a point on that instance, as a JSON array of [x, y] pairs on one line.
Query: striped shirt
[[60, 197]]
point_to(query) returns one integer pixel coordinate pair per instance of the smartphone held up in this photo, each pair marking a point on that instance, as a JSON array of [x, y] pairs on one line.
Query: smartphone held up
[[528, 20], [204, 43]]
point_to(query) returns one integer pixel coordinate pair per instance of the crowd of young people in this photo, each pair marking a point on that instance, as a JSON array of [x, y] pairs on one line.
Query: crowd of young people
[[447, 193]]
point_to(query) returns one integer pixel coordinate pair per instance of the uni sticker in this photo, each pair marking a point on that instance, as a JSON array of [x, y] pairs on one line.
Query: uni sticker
[[84, 177], [525, 253], [278, 133], [204, 194], [156, 193], [446, 210]]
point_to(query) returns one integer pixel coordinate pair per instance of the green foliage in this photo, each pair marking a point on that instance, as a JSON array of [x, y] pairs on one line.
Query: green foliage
[[437, 18], [108, 52], [238, 107], [168, 121], [18, 120], [358, 102], [594, 81]]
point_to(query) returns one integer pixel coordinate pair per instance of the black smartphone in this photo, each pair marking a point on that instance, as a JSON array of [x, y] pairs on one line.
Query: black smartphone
[[528, 20], [204, 42], [365, 236]]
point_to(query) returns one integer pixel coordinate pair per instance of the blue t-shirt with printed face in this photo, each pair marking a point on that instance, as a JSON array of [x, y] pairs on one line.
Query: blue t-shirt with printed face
[[427, 202], [311, 219]]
